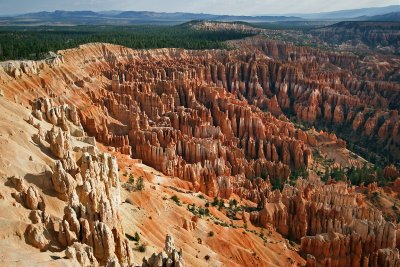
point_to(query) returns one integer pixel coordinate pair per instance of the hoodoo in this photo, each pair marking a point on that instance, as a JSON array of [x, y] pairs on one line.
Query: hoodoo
[[255, 152]]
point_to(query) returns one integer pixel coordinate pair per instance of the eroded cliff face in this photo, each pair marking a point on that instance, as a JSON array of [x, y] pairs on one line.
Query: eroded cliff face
[[215, 119], [63, 203], [88, 181], [179, 124], [182, 112], [333, 224], [358, 96], [327, 89]]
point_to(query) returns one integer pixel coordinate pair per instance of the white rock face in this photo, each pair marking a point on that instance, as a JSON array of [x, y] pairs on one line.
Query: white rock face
[[170, 256]]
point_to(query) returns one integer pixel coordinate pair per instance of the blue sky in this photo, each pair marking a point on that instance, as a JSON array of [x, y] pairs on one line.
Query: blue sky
[[231, 7]]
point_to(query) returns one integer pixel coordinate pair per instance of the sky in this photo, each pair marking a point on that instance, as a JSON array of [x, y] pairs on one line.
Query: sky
[[229, 7]]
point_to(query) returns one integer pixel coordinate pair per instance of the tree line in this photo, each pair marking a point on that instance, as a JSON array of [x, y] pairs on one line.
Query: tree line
[[35, 42]]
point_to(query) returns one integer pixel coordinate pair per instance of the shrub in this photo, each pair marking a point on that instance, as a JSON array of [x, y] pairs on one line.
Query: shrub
[[221, 204], [131, 179], [215, 202], [130, 238], [207, 212], [202, 211], [140, 184], [137, 237], [207, 257], [300, 172], [277, 184], [142, 248], [211, 234], [233, 203], [175, 198], [190, 207]]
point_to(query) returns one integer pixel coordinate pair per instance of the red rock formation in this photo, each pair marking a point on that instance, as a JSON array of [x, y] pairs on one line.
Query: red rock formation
[[200, 116], [391, 172], [331, 225], [198, 133]]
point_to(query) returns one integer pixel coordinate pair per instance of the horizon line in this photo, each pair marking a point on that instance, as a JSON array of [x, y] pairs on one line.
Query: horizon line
[[191, 12]]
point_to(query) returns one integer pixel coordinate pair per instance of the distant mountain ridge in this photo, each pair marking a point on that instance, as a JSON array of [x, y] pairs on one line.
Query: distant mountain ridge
[[393, 16], [127, 17], [117, 17], [351, 13], [59, 13]]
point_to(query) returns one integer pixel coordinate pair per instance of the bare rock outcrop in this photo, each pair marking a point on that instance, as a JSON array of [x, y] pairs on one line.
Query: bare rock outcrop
[[330, 223], [90, 230], [27, 195], [82, 254], [38, 235], [91, 217], [170, 256], [59, 142], [202, 117], [63, 182]]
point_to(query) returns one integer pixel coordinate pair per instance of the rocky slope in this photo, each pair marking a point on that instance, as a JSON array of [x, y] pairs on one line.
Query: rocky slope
[[64, 203], [213, 121], [351, 95], [168, 108], [333, 224]]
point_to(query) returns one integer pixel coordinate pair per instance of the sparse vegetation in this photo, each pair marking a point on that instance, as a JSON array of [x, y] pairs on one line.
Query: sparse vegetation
[[131, 186], [221, 204], [130, 238], [137, 237], [176, 199], [140, 184], [215, 202], [131, 179], [198, 211], [262, 233], [302, 172], [141, 248], [365, 175], [233, 203], [277, 183]]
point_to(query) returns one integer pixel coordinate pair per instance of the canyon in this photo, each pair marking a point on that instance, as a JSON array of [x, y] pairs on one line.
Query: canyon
[[198, 126]]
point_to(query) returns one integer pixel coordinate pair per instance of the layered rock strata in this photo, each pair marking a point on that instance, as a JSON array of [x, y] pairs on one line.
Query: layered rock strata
[[332, 224]]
